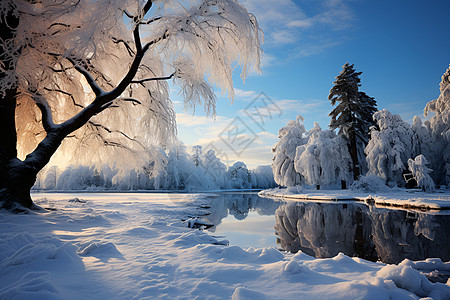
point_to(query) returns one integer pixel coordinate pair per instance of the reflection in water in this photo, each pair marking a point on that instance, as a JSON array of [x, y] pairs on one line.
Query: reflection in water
[[239, 205], [325, 229], [244, 219]]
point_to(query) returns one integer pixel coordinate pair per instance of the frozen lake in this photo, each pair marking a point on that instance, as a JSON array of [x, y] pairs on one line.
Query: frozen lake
[[323, 229]]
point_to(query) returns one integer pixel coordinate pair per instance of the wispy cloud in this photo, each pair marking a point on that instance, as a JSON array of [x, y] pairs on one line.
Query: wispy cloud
[[313, 23], [288, 18], [245, 95], [299, 106]]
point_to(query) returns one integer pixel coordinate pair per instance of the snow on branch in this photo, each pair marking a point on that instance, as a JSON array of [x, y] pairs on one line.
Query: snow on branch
[[153, 78], [90, 80], [96, 60]]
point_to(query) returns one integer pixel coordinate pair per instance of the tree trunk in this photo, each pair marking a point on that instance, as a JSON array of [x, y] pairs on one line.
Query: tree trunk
[[16, 177], [19, 178], [354, 155]]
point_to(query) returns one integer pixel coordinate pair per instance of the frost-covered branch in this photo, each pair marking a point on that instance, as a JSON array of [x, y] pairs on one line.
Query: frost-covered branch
[[131, 52], [46, 111], [90, 80], [90, 65], [150, 21], [153, 79], [128, 78], [67, 94]]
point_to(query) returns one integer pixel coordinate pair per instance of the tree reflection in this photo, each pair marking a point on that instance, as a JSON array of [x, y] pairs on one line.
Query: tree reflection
[[325, 229], [239, 205]]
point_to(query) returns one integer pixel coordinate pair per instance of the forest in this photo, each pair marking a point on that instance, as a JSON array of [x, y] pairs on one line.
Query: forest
[[372, 149]]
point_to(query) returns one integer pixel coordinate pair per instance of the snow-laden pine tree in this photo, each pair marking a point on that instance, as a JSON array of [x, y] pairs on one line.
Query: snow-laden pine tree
[[291, 136], [353, 114], [97, 71], [421, 172], [439, 126], [389, 148]]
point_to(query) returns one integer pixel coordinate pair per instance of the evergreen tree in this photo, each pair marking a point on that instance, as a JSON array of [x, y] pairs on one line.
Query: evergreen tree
[[197, 153], [365, 121], [353, 115]]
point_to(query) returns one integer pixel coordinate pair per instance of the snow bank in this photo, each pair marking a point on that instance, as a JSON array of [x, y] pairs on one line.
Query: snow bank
[[393, 197], [144, 250]]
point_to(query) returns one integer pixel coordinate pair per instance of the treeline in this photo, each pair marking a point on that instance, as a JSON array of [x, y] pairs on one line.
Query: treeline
[[170, 170], [371, 148]]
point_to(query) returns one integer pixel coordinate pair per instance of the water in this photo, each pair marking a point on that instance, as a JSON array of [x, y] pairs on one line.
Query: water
[[323, 229]]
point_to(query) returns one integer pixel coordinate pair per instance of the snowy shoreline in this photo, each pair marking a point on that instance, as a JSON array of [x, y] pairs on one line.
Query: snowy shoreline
[[400, 198], [135, 246]]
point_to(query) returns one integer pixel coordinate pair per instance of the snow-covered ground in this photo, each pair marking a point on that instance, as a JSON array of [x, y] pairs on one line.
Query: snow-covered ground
[[136, 246], [395, 197]]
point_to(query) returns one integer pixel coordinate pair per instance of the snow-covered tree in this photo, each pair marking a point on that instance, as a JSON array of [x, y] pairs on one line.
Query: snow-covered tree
[[421, 172], [214, 168], [50, 179], [353, 115], [291, 136], [324, 159], [263, 177], [239, 176], [97, 71], [390, 147], [439, 126], [179, 167], [197, 153], [173, 172]]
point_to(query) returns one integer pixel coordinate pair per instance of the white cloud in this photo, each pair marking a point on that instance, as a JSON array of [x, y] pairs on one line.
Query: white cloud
[[267, 60], [300, 23], [245, 95], [256, 153], [251, 146], [288, 21], [299, 106]]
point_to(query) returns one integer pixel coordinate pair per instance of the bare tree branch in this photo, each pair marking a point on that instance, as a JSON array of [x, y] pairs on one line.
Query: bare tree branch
[[153, 79], [100, 126], [155, 41], [65, 93], [128, 47], [150, 21], [132, 100]]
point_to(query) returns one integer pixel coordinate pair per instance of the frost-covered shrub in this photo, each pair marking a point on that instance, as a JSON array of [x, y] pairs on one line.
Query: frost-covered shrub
[[370, 184], [421, 172]]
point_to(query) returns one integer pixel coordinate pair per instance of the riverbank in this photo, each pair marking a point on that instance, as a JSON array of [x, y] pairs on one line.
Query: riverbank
[[402, 198]]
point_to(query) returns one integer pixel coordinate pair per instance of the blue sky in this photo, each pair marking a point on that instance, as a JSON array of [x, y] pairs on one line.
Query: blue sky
[[400, 46]]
